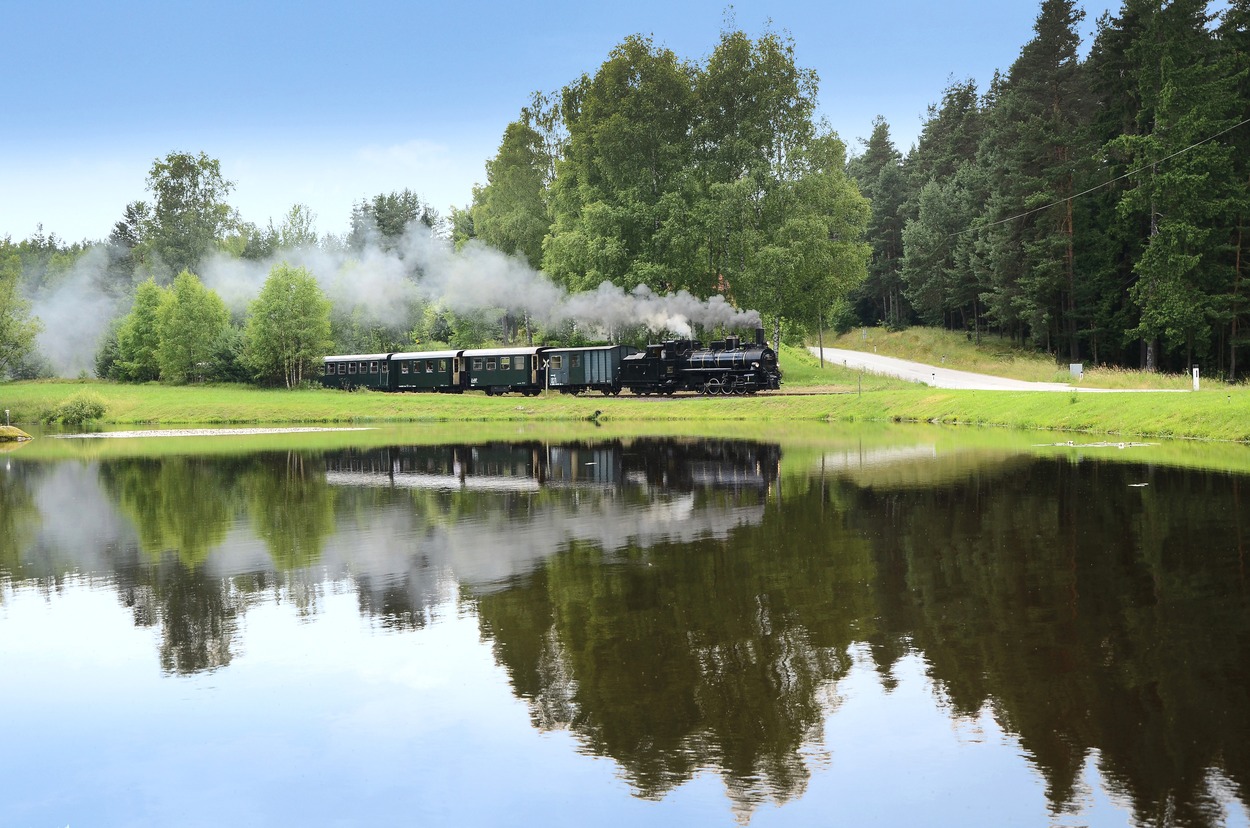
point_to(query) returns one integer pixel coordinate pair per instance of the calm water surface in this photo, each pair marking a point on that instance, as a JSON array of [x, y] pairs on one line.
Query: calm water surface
[[649, 631]]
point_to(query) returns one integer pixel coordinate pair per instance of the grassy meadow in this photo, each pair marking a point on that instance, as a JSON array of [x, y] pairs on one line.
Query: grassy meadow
[[811, 394], [1000, 357]]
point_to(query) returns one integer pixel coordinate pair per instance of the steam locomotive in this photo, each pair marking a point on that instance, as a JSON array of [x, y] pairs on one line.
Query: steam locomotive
[[728, 366]]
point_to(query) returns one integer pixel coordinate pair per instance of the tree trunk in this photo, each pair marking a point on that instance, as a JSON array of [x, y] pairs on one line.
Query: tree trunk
[[1232, 338]]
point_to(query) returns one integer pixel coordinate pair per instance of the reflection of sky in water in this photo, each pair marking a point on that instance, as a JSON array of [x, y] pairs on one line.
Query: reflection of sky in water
[[325, 721]]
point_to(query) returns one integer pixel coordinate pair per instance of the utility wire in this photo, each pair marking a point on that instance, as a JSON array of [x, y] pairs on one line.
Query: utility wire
[[1100, 186]]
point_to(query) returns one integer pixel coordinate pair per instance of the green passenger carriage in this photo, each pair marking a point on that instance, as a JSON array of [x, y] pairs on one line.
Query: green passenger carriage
[[500, 370], [357, 371], [426, 371]]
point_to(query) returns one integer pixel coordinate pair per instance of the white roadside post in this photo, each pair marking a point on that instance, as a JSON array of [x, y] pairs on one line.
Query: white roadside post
[[1195, 377]]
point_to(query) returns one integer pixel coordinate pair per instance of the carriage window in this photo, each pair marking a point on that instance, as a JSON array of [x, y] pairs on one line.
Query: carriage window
[[386, 366], [577, 360], [328, 369], [490, 364], [342, 367], [364, 367], [351, 367], [442, 365], [557, 362], [477, 363], [505, 362], [373, 366], [403, 367], [429, 366]]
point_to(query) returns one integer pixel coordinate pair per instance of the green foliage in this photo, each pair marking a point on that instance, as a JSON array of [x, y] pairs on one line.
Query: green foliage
[[298, 228], [107, 354], [79, 409], [138, 337], [226, 362], [18, 329], [879, 175], [189, 213], [510, 212], [190, 321], [387, 216], [288, 327], [1094, 208], [709, 178]]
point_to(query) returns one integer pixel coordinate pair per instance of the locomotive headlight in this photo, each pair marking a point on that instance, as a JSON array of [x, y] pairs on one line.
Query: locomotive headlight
[[755, 365]]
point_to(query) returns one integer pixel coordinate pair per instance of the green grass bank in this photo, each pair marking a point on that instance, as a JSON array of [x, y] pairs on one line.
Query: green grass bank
[[812, 394]]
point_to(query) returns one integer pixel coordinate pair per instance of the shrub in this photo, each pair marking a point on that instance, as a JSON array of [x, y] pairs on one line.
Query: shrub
[[78, 409]]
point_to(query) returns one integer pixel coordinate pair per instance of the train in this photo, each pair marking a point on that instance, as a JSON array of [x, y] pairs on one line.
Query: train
[[729, 366]]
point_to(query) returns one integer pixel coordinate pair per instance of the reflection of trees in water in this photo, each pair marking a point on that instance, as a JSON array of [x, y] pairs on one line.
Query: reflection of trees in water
[[198, 614], [291, 508], [181, 509], [19, 516], [1088, 615], [1093, 619], [180, 505], [714, 654]]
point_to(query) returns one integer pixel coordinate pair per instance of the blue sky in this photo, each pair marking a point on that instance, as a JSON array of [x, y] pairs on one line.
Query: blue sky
[[327, 103]]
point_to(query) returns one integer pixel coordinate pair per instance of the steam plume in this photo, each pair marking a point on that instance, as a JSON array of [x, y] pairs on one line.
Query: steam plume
[[384, 284]]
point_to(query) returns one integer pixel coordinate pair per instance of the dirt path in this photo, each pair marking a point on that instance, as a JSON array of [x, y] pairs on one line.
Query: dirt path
[[939, 377]]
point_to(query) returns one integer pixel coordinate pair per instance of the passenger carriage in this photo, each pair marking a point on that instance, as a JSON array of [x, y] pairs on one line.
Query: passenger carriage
[[426, 371], [500, 370], [357, 371]]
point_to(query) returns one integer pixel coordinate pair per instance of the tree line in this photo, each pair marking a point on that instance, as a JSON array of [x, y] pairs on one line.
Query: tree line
[[1095, 206]]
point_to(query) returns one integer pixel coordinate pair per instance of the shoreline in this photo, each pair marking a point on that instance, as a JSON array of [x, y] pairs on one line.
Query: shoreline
[[1215, 415]]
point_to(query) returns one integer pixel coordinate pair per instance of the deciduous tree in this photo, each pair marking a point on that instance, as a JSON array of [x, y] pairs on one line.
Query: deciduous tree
[[17, 329], [288, 326], [191, 319], [139, 336], [189, 210]]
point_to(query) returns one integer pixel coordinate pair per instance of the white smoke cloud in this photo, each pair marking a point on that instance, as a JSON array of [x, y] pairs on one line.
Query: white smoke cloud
[[385, 284], [75, 314]]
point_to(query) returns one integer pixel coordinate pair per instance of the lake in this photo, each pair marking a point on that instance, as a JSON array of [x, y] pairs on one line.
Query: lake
[[851, 626]]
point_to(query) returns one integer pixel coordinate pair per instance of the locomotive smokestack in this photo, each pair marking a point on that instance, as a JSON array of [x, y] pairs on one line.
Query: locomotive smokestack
[[759, 337]]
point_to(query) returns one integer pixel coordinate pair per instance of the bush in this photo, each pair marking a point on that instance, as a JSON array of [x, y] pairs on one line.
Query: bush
[[78, 409]]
